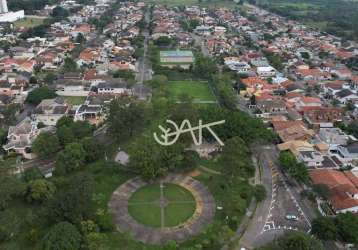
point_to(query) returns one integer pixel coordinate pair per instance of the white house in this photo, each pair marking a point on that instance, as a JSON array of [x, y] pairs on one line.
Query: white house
[[266, 72]]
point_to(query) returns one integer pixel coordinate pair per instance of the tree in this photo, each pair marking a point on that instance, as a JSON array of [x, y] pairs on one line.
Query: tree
[[94, 240], [237, 123], [64, 236], [297, 170], [39, 94], [10, 225], [45, 145], [65, 135], [32, 174], [49, 78], [70, 65], [347, 225], [151, 160], [125, 74], [93, 149], [126, 116], [69, 131], [324, 228], [9, 114], [293, 241], [72, 158], [204, 67], [10, 187], [287, 159], [39, 190], [74, 203], [59, 12], [3, 136], [235, 159], [322, 190], [80, 38], [164, 41], [260, 192]]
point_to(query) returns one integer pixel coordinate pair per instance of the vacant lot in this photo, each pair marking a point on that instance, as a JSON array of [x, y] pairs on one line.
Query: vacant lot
[[198, 90], [29, 22]]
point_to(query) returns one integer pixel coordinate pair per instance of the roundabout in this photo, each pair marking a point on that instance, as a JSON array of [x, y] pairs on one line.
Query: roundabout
[[176, 207]]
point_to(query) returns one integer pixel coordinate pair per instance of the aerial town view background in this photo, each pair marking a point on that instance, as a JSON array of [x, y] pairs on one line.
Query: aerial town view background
[[178, 124]]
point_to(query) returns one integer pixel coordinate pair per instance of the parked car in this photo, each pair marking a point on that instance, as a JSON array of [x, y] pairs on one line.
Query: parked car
[[291, 217]]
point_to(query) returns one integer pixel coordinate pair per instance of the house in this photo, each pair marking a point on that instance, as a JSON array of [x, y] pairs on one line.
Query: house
[[322, 116], [348, 153], [93, 108], [173, 58], [333, 137], [271, 107], [311, 158], [345, 95], [21, 136], [235, 64], [292, 130], [343, 187], [49, 111], [307, 101], [112, 87], [295, 147], [266, 72]]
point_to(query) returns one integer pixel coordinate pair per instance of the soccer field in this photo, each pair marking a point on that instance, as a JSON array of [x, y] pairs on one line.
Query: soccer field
[[199, 91]]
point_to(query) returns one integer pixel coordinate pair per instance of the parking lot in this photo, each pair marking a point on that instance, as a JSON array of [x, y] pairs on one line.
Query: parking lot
[[283, 203]]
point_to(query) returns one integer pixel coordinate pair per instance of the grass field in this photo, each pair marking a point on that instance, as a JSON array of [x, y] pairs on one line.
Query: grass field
[[75, 100], [144, 205], [199, 91], [29, 22]]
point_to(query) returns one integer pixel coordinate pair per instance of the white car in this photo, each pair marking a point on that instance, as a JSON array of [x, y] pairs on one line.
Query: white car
[[291, 217]]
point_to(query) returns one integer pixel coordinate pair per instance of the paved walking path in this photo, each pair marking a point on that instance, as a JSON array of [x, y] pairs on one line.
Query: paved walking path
[[203, 214]]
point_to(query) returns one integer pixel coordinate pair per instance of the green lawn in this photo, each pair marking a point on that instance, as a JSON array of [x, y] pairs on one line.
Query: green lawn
[[173, 193], [144, 205], [29, 22], [148, 193], [75, 100], [147, 214], [198, 90], [177, 213]]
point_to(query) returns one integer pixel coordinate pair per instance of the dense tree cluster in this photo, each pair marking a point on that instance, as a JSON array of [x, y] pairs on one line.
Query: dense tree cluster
[[343, 227], [39, 94], [294, 241], [297, 170], [126, 117]]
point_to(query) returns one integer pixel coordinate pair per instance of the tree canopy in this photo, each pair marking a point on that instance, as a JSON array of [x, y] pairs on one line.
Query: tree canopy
[[126, 117], [45, 145], [40, 190], [235, 158], [39, 94], [151, 160], [64, 236], [70, 159]]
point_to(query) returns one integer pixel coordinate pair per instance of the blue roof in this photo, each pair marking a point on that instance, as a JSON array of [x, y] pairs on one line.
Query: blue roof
[[176, 53]]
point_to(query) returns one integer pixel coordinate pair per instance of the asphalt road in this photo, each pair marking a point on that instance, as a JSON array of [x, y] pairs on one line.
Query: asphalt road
[[269, 220], [143, 68]]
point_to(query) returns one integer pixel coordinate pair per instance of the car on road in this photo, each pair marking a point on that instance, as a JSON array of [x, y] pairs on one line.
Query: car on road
[[291, 217]]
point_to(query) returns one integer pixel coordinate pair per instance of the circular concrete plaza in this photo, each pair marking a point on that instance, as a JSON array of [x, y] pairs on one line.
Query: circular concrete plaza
[[176, 207]]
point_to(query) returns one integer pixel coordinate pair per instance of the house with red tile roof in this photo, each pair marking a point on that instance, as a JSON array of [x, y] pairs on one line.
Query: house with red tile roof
[[322, 116], [343, 187]]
